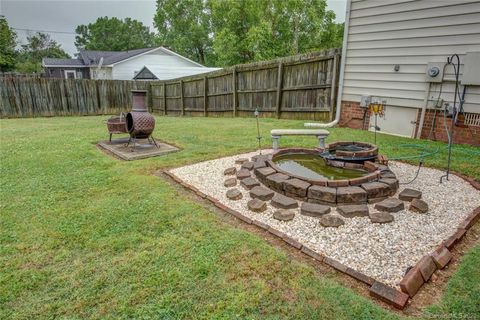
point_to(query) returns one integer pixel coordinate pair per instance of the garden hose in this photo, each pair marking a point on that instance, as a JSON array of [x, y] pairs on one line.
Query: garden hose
[[416, 174], [425, 153]]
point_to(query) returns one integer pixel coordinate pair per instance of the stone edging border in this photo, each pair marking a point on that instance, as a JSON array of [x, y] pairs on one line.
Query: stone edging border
[[378, 184], [441, 256], [411, 282]]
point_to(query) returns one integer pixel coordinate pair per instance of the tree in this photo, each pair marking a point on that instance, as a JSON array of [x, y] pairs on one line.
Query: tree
[[232, 21], [113, 34], [39, 46], [253, 30], [184, 26], [8, 41], [305, 25]]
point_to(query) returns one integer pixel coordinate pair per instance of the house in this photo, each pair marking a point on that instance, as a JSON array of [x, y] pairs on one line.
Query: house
[[120, 65], [162, 72], [396, 52]]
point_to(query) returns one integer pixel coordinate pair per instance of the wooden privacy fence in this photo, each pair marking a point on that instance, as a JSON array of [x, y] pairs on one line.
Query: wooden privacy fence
[[302, 87], [30, 97]]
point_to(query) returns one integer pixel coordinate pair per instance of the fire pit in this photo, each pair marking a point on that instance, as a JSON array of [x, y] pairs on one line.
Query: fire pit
[[355, 152], [139, 122], [116, 125]]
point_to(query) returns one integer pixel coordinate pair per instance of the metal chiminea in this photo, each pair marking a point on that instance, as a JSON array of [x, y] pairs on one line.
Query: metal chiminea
[[139, 122]]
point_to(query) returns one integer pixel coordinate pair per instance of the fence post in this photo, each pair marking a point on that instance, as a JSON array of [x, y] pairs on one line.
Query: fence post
[[333, 85], [205, 96], [164, 99], [99, 104], [150, 94], [234, 91], [181, 97], [279, 89]]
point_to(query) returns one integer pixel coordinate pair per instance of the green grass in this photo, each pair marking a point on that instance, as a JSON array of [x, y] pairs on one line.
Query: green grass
[[83, 235]]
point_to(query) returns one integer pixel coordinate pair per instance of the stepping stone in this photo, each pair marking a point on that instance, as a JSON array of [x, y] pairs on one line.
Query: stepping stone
[[323, 194], [418, 206], [275, 181], [242, 174], [230, 182], [375, 200], [234, 194], [247, 165], [230, 171], [314, 210], [351, 195], [296, 188], [283, 202], [409, 194], [390, 205], [261, 193], [381, 217], [329, 220], [241, 161], [353, 210], [249, 183], [284, 215], [257, 205]]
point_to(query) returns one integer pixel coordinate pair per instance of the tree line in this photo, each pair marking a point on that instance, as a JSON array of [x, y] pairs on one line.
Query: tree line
[[27, 58], [212, 32]]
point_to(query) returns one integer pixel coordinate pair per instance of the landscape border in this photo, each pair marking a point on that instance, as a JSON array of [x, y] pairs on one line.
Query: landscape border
[[411, 282]]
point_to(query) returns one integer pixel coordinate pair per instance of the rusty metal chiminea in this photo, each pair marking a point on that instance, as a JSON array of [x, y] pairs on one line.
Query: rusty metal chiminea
[[139, 122]]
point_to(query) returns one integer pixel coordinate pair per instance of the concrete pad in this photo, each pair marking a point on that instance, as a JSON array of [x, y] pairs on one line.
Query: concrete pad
[[143, 149]]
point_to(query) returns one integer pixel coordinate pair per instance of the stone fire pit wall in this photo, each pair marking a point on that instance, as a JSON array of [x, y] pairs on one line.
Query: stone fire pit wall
[[370, 151], [379, 184]]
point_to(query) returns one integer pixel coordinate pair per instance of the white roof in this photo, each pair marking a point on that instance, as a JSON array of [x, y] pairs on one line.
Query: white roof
[[166, 73]]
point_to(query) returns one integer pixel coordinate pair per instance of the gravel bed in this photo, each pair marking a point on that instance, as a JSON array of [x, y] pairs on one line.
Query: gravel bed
[[381, 251]]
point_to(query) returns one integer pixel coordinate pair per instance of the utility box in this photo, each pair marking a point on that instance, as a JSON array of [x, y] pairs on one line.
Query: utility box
[[365, 101], [434, 72], [471, 69]]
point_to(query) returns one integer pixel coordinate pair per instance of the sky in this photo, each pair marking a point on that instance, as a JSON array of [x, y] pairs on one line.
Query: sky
[[63, 16]]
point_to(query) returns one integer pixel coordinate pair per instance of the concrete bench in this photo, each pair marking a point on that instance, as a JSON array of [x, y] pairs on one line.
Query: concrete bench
[[319, 133]]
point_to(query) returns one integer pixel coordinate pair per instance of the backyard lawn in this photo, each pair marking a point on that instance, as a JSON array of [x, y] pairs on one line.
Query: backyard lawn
[[84, 235]]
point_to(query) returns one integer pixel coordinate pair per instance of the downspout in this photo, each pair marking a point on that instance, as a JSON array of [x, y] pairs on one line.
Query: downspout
[[342, 72]]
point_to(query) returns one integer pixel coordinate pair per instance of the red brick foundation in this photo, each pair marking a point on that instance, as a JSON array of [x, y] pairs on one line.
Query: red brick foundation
[[461, 134], [355, 117]]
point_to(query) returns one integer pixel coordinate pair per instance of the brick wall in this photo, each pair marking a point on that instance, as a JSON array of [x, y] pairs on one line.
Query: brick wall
[[462, 134], [353, 116]]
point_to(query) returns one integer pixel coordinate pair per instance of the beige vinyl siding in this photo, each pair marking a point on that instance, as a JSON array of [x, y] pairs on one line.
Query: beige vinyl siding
[[410, 33]]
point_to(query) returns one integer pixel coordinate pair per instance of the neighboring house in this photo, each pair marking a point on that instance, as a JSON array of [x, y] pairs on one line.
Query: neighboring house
[[161, 72], [388, 48], [65, 68], [117, 65]]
